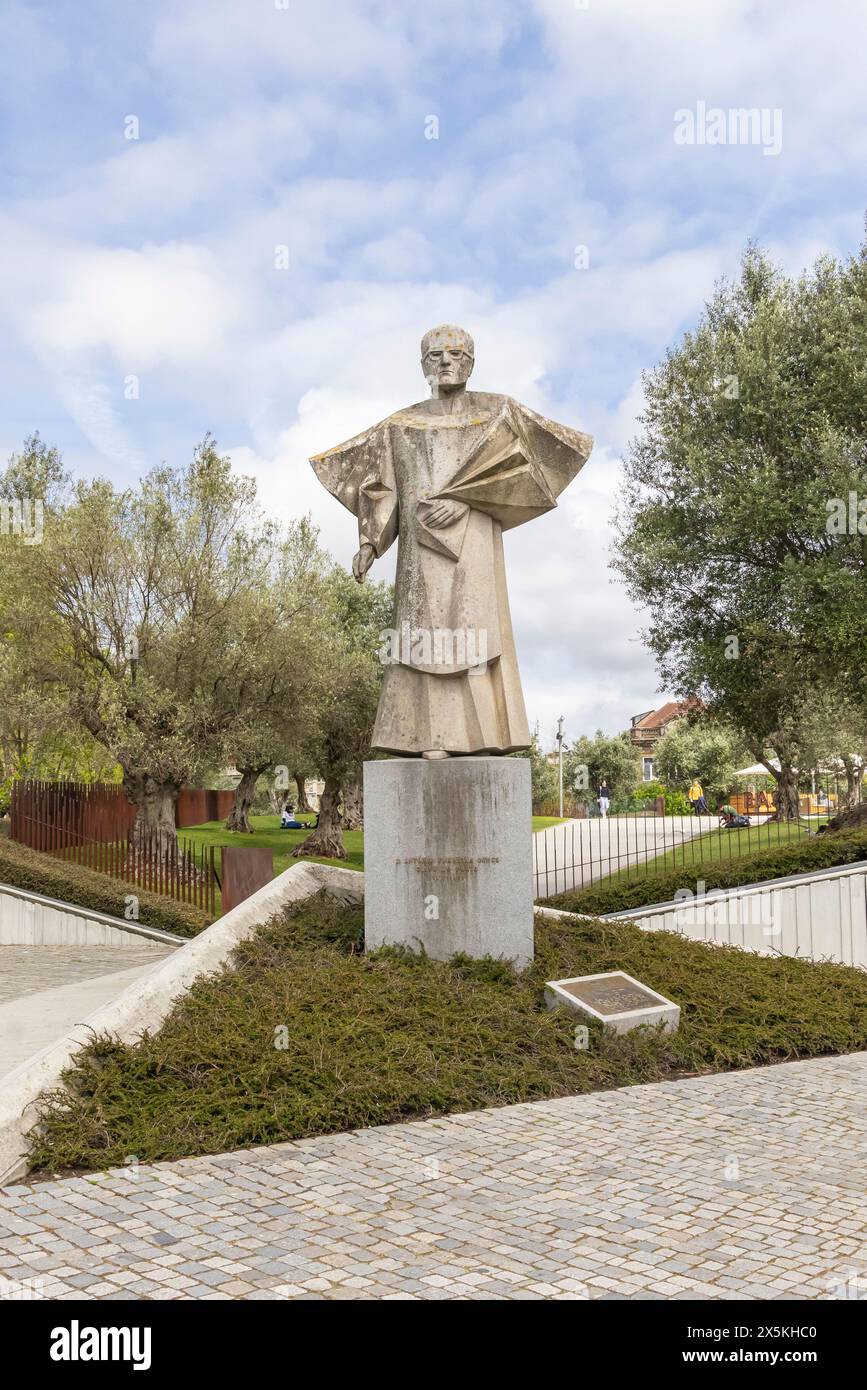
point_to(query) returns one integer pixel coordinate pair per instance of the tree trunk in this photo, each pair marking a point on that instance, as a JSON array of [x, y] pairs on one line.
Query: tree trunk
[[326, 841], [854, 775], [303, 803], [238, 817], [787, 799], [353, 805], [154, 833]]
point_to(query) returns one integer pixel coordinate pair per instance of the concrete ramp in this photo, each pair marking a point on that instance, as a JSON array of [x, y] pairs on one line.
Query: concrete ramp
[[127, 1008]]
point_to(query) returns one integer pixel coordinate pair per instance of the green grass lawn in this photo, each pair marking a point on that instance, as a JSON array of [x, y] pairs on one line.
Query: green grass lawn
[[374, 1039], [268, 835], [56, 876], [795, 855], [712, 845]]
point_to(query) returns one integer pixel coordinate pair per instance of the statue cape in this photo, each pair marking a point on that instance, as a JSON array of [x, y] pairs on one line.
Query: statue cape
[[514, 473]]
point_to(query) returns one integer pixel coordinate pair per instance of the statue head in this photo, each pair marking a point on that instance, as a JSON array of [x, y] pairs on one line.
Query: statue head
[[447, 357]]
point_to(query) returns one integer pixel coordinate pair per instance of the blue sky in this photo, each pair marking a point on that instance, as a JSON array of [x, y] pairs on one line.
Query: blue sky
[[262, 127]]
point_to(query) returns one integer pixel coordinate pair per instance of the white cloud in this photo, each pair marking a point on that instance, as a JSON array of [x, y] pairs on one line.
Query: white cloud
[[324, 39], [333, 41], [644, 61], [303, 127], [163, 304], [95, 407]]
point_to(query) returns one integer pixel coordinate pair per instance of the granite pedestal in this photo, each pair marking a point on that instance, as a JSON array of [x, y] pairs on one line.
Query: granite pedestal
[[448, 862]]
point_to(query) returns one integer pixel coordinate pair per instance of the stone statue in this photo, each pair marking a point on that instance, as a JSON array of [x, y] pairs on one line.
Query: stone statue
[[446, 477]]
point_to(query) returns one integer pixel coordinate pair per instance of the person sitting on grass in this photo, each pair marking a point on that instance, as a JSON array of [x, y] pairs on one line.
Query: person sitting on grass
[[287, 819]]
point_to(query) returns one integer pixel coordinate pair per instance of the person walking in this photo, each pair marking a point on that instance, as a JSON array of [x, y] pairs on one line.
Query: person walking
[[604, 800], [697, 798]]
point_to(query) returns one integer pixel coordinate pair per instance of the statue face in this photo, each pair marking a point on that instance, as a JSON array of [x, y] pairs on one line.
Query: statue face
[[447, 366], [447, 357]]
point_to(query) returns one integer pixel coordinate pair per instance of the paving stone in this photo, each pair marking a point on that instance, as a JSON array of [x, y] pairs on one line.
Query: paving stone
[[620, 1194]]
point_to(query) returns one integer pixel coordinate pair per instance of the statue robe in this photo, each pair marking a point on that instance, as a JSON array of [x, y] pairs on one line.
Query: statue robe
[[453, 683]]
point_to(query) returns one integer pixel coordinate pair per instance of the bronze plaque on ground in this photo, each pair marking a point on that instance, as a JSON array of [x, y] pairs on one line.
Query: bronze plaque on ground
[[611, 996], [614, 999]]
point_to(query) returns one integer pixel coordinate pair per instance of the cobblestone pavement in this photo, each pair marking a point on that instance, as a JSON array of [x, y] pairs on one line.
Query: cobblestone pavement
[[28, 969], [745, 1185]]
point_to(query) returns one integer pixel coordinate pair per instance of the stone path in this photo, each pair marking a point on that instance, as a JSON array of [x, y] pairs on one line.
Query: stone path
[[46, 990], [746, 1185], [30, 969]]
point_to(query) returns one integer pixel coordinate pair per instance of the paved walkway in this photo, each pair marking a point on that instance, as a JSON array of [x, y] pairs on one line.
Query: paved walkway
[[46, 990], [579, 852], [746, 1185], [31, 969]]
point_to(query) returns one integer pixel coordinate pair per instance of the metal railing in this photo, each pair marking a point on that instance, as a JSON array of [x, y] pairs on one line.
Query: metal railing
[[637, 844]]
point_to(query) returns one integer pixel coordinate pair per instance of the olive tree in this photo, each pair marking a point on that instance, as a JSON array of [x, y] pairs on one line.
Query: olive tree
[[267, 697], [355, 617], [728, 530], [140, 593]]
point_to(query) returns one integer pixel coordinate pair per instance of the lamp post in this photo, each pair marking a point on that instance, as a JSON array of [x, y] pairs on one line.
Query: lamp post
[[560, 752]]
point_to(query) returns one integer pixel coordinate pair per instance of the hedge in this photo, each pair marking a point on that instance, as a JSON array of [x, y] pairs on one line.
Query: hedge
[[793, 857], [371, 1039], [21, 867]]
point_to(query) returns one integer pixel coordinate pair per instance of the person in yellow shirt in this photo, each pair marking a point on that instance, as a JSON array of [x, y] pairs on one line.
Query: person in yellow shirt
[[697, 798]]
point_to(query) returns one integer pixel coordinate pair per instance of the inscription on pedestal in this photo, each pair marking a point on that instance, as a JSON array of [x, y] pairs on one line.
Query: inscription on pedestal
[[448, 856], [421, 862]]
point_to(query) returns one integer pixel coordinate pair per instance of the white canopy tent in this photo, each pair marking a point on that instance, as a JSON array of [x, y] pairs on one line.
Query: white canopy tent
[[831, 765]]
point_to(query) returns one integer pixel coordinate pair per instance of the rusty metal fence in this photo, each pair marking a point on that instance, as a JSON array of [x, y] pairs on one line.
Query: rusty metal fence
[[92, 825]]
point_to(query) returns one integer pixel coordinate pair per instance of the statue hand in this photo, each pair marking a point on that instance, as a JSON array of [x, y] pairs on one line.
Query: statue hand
[[362, 561], [443, 514]]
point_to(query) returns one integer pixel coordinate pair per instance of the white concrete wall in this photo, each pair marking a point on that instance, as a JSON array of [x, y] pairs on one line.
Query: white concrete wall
[[579, 852], [29, 919], [818, 916]]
